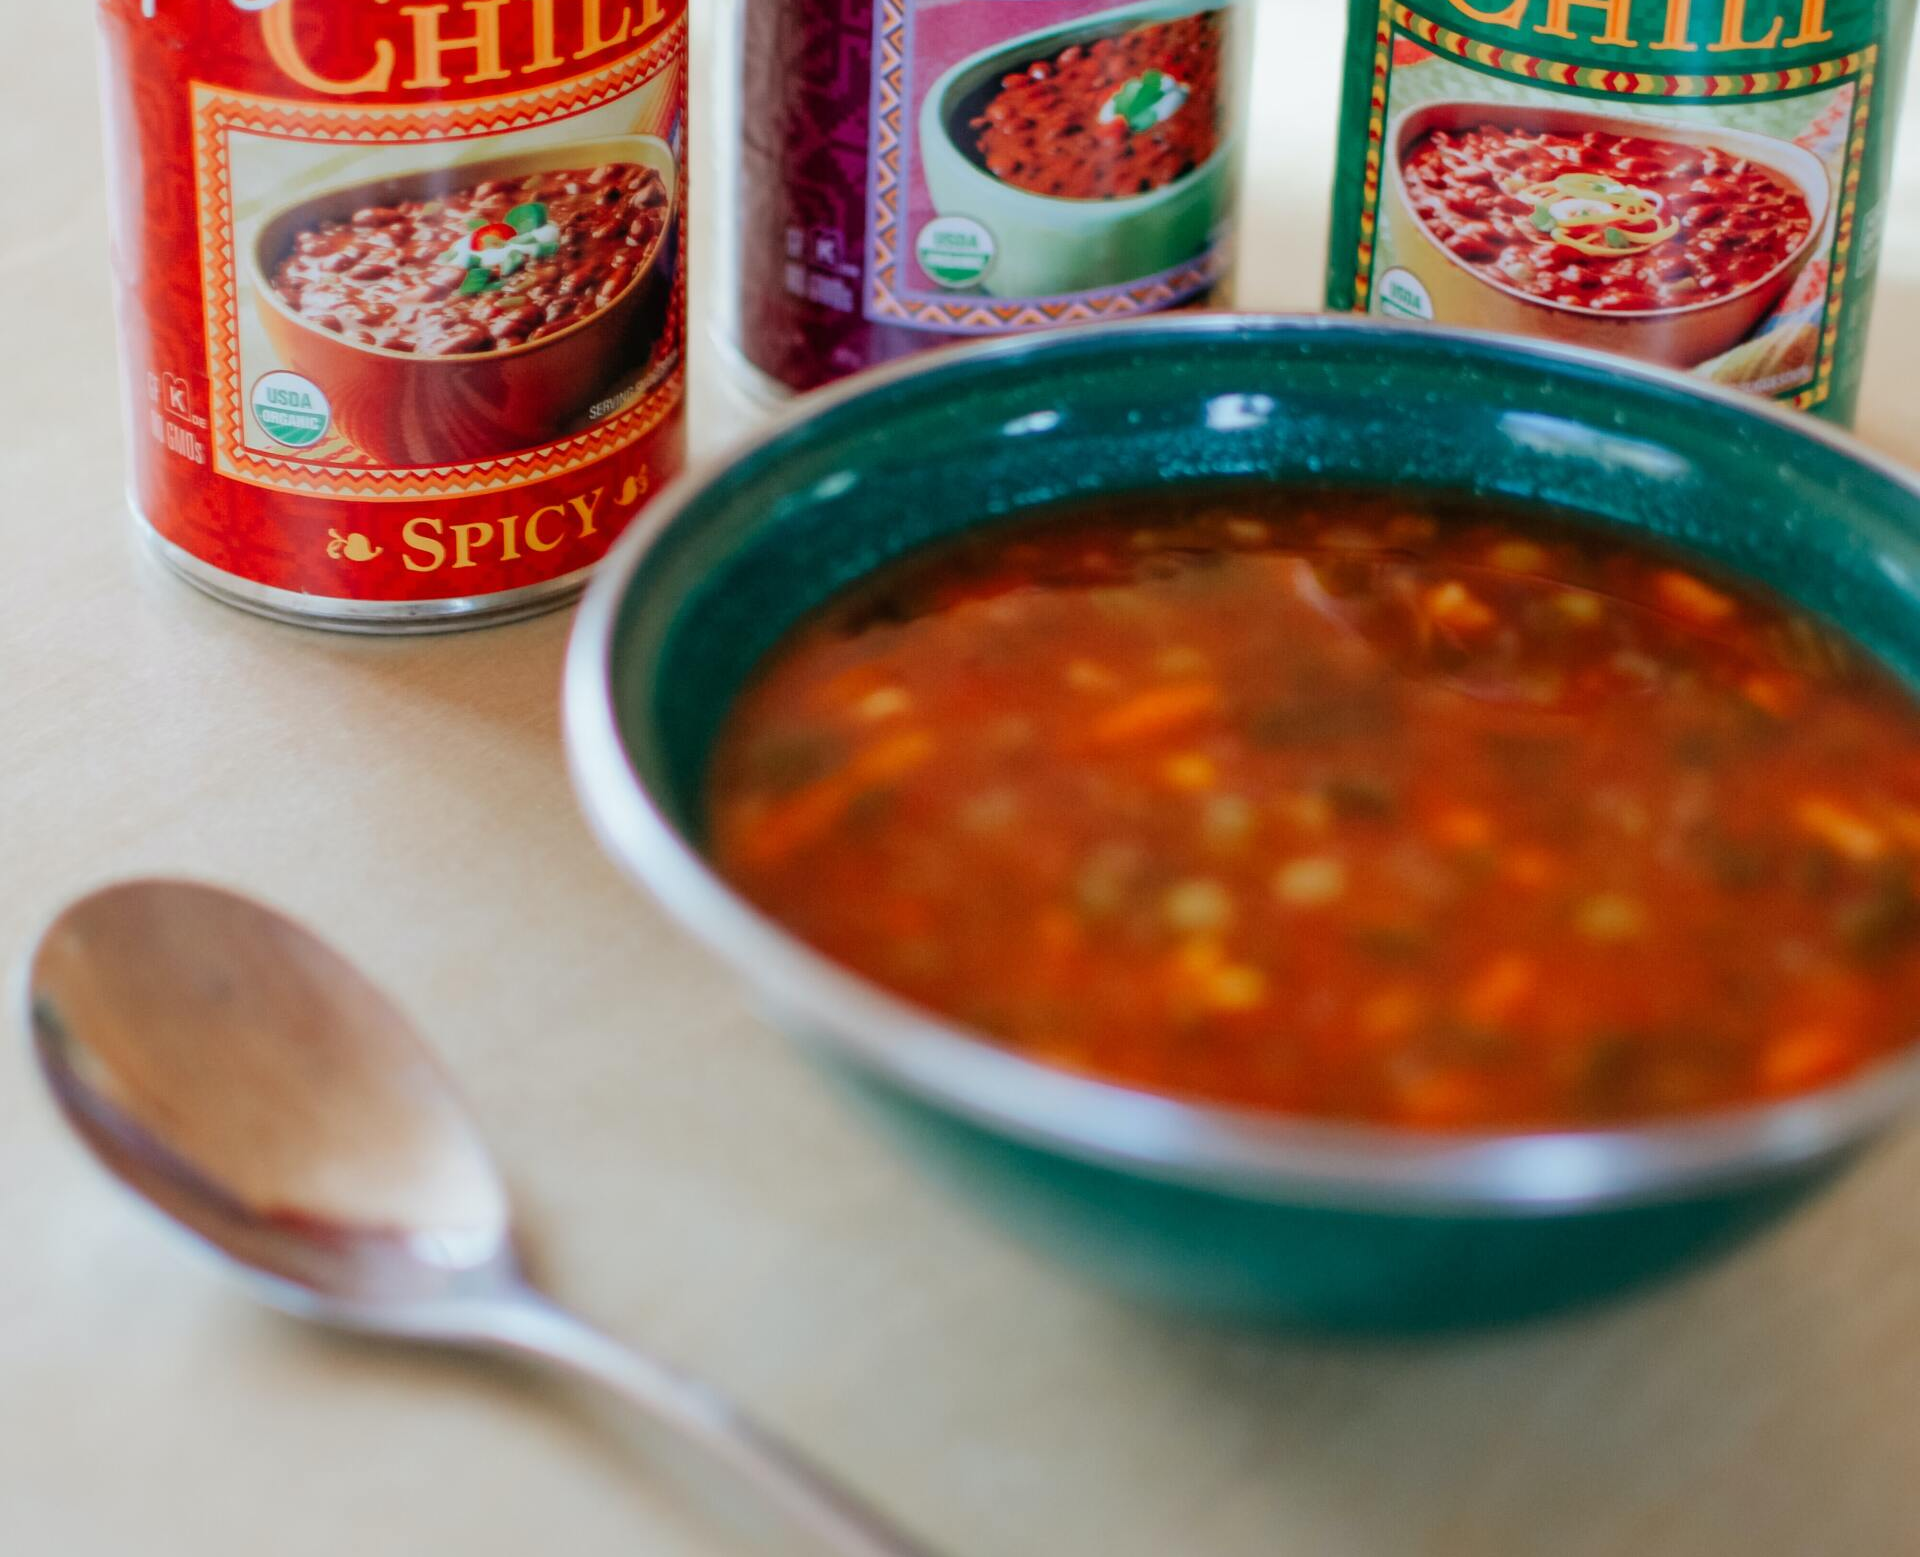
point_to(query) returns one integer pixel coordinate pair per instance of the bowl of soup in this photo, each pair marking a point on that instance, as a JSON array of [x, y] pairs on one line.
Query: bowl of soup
[[1022, 139], [1666, 241], [1359, 826]]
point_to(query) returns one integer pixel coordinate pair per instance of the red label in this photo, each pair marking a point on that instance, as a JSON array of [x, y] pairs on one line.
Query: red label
[[401, 287]]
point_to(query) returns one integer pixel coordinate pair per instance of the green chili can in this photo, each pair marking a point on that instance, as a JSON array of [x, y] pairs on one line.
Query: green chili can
[[1693, 182]]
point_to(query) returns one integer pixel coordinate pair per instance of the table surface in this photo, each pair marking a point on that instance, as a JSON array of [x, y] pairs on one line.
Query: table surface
[[690, 1184]]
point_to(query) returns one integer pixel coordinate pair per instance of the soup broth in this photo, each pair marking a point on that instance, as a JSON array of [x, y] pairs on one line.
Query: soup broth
[[1445, 817]]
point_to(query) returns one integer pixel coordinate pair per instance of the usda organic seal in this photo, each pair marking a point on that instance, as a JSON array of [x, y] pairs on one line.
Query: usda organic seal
[[291, 410], [955, 250], [1403, 295]]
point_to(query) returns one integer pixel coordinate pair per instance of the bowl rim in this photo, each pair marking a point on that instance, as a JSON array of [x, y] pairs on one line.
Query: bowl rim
[[260, 280], [933, 111], [1794, 261], [1255, 1155]]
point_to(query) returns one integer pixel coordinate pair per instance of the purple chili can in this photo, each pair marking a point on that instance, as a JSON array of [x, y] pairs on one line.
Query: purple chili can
[[913, 172]]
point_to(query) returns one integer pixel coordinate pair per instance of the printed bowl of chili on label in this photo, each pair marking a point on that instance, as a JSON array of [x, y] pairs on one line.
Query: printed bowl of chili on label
[[1666, 241], [1093, 151], [463, 313]]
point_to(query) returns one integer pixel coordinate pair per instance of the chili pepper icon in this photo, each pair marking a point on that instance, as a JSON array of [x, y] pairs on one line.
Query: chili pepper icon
[[355, 547]]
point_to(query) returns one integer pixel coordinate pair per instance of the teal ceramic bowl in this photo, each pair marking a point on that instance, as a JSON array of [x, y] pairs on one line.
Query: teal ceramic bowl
[[1325, 1226], [1047, 247]]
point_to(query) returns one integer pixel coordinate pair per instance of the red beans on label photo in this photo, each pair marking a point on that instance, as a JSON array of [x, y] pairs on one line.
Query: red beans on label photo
[[1055, 128], [1603, 221], [455, 275]]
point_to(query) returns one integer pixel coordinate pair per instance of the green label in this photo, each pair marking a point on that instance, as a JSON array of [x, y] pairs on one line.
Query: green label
[[1693, 183]]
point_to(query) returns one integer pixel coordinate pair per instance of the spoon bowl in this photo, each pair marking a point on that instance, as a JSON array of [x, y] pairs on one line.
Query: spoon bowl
[[251, 1082]]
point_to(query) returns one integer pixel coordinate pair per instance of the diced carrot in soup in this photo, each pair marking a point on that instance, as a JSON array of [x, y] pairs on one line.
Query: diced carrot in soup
[[1154, 714], [1499, 824]]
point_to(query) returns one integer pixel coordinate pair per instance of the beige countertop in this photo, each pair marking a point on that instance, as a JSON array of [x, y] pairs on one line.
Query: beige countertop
[[691, 1185]]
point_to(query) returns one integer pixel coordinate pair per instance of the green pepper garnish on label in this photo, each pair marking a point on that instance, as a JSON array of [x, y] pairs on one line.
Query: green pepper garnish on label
[[528, 217], [1138, 101]]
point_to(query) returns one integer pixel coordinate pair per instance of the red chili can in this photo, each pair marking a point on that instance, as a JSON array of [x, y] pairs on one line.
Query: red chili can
[[401, 294]]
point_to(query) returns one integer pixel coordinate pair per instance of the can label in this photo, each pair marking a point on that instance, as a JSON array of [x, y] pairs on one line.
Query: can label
[[401, 293], [1691, 182], [999, 165]]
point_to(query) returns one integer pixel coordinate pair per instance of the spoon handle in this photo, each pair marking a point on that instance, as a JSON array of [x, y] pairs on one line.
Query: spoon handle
[[807, 1499]]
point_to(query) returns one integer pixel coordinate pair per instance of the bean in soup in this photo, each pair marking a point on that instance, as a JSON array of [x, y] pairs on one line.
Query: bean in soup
[[1328, 804]]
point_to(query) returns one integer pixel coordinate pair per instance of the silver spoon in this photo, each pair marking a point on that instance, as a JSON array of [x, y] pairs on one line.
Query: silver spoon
[[242, 1076]]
